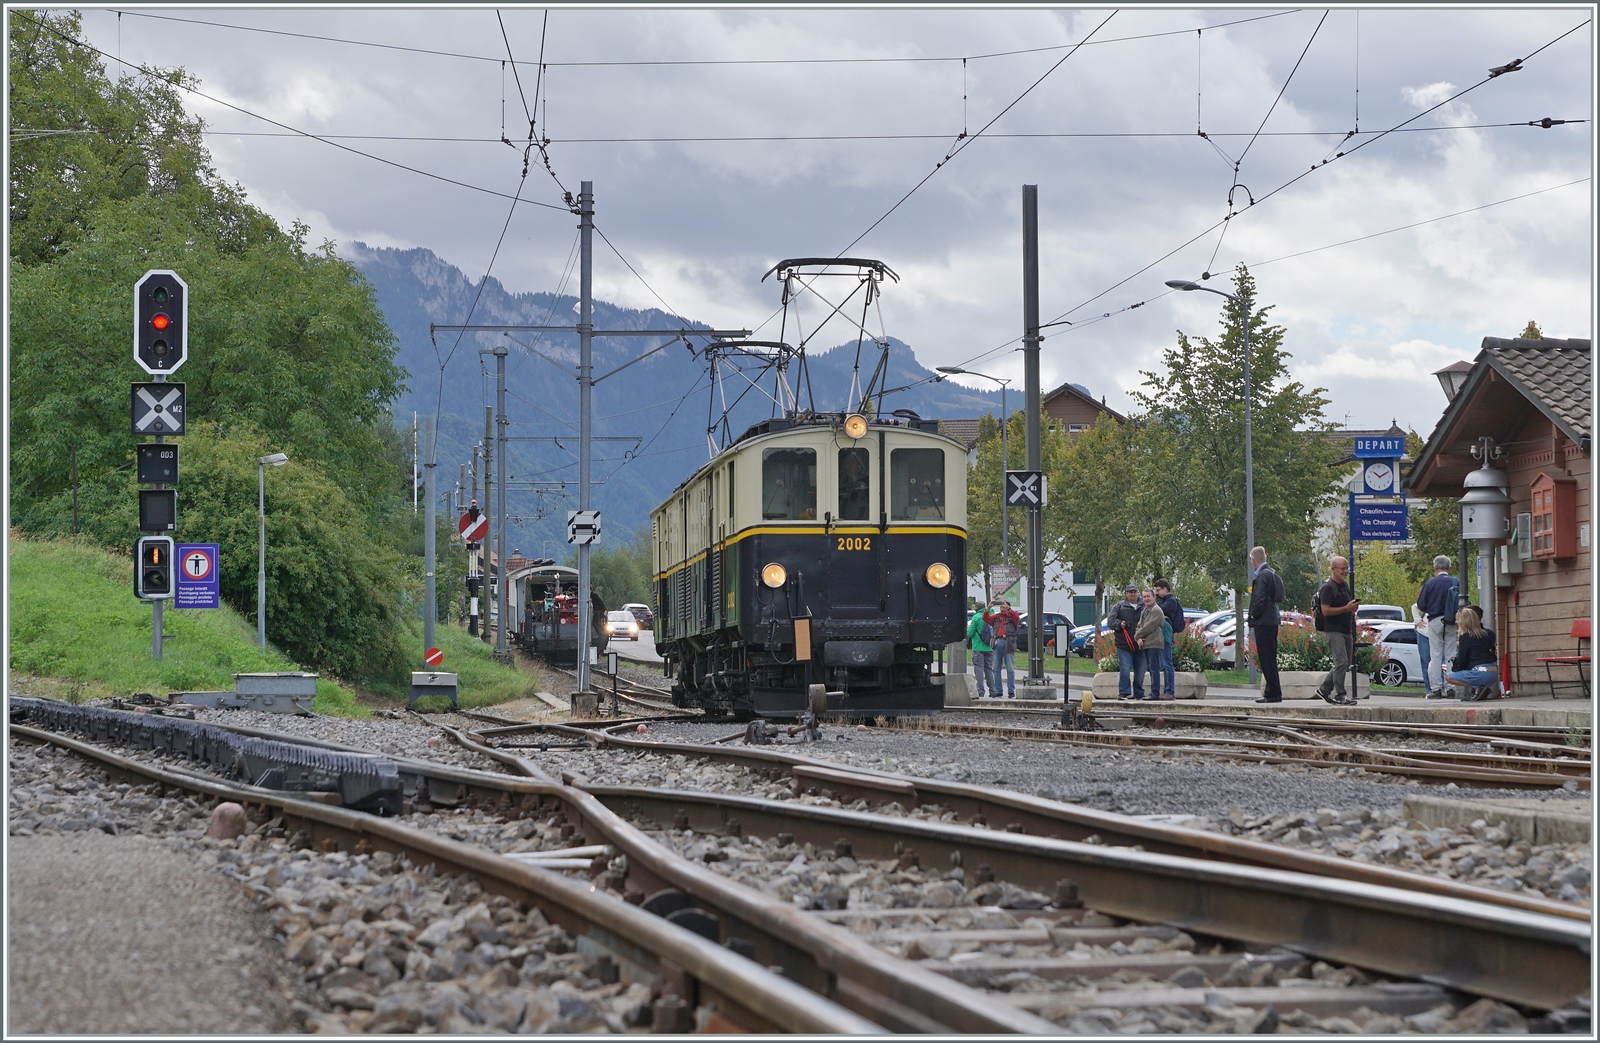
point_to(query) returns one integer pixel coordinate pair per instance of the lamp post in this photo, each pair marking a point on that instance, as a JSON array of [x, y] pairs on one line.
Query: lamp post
[[1249, 459], [1005, 461], [276, 460]]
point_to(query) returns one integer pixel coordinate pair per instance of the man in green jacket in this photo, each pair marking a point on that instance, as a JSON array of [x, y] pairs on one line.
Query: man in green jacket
[[982, 653]]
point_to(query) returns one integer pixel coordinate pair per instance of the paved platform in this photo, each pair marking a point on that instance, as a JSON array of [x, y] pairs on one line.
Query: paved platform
[[641, 651], [1386, 707]]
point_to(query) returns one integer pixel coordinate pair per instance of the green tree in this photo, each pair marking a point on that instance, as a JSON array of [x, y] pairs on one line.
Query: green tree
[[1531, 331], [1197, 397], [984, 479], [1090, 513], [621, 574]]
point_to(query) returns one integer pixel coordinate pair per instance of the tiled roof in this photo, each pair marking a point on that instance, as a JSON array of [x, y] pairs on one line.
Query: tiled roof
[[1553, 373], [964, 431]]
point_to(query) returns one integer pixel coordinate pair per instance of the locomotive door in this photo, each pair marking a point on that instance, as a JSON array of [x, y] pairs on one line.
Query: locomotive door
[[853, 551]]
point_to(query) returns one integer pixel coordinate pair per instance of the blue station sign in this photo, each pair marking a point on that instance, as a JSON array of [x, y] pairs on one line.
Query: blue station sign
[[1382, 448], [1383, 519]]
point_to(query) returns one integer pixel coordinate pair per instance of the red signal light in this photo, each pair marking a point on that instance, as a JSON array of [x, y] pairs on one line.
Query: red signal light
[[160, 321]]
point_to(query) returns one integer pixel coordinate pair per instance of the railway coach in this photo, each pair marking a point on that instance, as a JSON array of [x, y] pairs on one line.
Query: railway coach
[[816, 549]]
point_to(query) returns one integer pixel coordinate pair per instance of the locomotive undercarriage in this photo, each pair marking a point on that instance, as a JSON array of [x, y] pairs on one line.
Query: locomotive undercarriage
[[727, 676]]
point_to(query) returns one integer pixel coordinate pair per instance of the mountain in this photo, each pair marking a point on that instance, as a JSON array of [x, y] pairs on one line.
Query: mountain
[[663, 400]]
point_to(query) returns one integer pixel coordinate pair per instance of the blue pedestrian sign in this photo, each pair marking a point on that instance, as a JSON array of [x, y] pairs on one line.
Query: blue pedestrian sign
[[1378, 519], [198, 585]]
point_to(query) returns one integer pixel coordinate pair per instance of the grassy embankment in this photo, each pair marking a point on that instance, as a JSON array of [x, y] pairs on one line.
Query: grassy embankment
[[73, 618]]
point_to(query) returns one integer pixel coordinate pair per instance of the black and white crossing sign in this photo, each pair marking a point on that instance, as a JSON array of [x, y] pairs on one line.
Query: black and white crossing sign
[[1025, 489], [583, 527], [158, 409]]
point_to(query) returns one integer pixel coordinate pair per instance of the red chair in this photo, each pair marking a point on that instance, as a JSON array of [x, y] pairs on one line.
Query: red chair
[[1580, 633]]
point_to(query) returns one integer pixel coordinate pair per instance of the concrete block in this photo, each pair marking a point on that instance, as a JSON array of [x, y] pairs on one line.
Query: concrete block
[[1536, 821], [1189, 685], [958, 689], [584, 705], [1039, 692], [288, 683]]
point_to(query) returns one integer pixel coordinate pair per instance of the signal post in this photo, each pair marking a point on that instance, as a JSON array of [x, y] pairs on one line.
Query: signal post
[[160, 347]]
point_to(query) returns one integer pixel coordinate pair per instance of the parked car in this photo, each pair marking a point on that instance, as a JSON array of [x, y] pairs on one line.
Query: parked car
[[1224, 642], [1207, 624], [1372, 613], [620, 625], [1051, 621], [1404, 666], [642, 613], [1083, 639]]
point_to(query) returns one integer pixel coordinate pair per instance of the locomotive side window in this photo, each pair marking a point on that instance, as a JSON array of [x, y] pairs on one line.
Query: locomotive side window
[[916, 484], [788, 484], [855, 468]]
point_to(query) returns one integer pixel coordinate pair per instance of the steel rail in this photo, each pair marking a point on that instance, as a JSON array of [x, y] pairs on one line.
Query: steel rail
[[1215, 748], [829, 961], [1043, 817], [1509, 955], [749, 997]]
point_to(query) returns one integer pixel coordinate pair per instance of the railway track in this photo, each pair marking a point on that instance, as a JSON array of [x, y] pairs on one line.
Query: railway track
[[1229, 912], [634, 693]]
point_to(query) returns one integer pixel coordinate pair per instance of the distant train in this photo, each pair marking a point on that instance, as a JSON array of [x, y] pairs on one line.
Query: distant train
[[542, 602], [823, 549]]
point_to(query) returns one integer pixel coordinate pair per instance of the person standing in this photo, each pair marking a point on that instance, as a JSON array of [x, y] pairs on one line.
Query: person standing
[[1437, 600], [1124, 620], [1419, 626], [1173, 610], [1339, 605], [1475, 665], [1262, 617], [1005, 623], [1148, 637], [982, 651]]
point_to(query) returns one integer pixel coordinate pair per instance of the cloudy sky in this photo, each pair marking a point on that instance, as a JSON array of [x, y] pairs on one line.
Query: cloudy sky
[[720, 141]]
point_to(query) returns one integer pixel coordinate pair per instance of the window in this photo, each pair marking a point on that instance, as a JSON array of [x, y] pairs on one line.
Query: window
[[1402, 636], [1076, 428], [730, 489], [788, 484], [916, 484], [855, 486], [1555, 517]]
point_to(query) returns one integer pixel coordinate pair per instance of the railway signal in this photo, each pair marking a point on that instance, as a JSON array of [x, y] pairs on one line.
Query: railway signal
[[152, 578], [158, 409], [157, 464], [160, 322]]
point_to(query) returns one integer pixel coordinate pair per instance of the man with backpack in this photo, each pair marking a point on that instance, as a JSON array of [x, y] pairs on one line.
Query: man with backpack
[[1124, 620], [980, 636], [1173, 609], [1437, 602], [1263, 619]]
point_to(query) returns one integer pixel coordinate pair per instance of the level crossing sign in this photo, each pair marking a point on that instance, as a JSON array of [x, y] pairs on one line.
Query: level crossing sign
[[583, 527], [158, 409], [473, 526], [1025, 489], [197, 580]]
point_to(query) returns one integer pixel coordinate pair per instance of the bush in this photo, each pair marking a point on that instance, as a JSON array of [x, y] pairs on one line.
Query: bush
[[1306, 648], [1191, 654], [1105, 655]]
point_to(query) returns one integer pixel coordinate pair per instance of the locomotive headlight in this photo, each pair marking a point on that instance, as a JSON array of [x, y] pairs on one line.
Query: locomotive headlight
[[855, 425], [938, 575], [774, 575]]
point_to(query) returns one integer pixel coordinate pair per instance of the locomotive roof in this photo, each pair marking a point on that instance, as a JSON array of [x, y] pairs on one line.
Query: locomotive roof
[[792, 425]]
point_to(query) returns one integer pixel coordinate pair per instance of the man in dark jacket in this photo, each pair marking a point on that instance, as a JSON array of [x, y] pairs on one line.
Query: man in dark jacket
[[1266, 591], [1124, 620], [1174, 612], [1437, 602]]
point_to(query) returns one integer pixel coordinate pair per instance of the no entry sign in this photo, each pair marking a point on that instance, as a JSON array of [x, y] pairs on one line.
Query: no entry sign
[[433, 657], [197, 580], [473, 529]]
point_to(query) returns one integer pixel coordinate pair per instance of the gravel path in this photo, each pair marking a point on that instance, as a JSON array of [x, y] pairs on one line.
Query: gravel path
[[118, 933]]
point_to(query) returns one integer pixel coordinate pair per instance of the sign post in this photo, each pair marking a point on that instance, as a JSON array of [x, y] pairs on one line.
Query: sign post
[[198, 583], [160, 347]]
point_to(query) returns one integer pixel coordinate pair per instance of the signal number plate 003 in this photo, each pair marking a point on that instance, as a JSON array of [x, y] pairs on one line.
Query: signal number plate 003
[[854, 543]]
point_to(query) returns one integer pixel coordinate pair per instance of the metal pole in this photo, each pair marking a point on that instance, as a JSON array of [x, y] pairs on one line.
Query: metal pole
[[585, 389], [1355, 629], [1250, 489], [487, 546], [430, 608], [1030, 359], [156, 623], [500, 353], [1005, 462], [261, 546]]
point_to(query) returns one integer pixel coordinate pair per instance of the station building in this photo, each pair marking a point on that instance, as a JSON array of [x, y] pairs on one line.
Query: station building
[[1532, 398]]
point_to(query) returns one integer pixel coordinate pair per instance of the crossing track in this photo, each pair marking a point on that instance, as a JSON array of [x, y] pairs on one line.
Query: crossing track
[[1533, 959]]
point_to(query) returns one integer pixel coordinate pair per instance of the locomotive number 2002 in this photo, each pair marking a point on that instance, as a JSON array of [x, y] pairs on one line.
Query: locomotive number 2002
[[854, 542]]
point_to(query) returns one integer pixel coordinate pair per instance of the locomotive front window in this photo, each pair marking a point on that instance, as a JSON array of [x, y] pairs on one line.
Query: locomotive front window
[[788, 484], [855, 469], [916, 484]]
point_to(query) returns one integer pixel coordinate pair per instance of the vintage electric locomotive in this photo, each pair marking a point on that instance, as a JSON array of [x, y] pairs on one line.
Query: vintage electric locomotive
[[815, 549]]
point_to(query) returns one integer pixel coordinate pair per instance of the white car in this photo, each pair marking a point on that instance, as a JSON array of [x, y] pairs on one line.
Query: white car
[[1206, 626], [1224, 642], [1375, 613], [621, 624], [1399, 640]]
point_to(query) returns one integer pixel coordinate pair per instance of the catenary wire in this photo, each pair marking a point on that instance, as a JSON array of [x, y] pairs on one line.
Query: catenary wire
[[694, 61], [295, 131]]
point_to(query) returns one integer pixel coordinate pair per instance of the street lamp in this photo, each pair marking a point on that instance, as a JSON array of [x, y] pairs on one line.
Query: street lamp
[[1249, 458], [1005, 461], [276, 460]]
